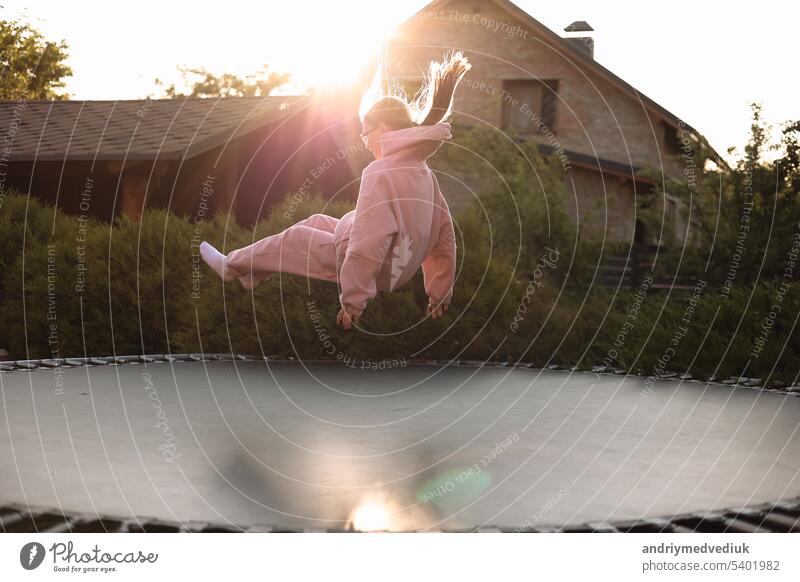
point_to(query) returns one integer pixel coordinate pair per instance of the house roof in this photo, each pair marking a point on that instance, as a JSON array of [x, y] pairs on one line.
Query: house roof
[[584, 58], [165, 129]]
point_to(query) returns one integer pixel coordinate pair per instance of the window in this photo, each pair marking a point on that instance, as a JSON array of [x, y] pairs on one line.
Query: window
[[639, 232], [529, 106]]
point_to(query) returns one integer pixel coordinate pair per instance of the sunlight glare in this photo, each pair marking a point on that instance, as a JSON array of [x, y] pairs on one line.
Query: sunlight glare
[[371, 516], [333, 48]]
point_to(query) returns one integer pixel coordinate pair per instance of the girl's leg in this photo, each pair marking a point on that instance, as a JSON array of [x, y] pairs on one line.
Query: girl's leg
[[320, 221], [318, 250], [299, 250]]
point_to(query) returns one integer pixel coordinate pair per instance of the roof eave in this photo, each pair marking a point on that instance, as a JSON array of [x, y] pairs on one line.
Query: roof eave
[[247, 125]]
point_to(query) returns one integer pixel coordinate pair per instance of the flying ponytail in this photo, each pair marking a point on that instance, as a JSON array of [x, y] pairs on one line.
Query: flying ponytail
[[386, 101], [443, 78]]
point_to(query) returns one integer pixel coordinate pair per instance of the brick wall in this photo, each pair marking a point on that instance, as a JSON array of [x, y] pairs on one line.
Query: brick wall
[[594, 117]]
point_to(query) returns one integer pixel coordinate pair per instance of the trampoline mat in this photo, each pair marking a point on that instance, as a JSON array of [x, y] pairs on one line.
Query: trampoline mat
[[424, 446]]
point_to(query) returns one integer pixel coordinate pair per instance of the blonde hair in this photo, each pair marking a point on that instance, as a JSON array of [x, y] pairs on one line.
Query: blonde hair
[[386, 101]]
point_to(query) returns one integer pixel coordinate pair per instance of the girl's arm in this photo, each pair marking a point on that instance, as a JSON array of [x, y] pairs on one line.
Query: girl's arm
[[439, 267], [371, 236]]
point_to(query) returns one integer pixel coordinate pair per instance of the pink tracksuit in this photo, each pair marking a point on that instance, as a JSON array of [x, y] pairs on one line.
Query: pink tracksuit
[[401, 222]]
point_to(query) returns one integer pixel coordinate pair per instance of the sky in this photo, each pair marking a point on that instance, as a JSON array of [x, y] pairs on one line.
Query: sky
[[705, 61]]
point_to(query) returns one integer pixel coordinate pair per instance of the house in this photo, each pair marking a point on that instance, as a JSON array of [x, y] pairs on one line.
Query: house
[[242, 155], [549, 88], [233, 155]]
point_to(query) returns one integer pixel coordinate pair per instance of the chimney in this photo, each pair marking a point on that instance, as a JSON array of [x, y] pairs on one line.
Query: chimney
[[585, 43]]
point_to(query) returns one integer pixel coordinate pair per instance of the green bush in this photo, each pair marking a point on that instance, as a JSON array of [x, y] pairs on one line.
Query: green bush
[[138, 297], [521, 195], [141, 292]]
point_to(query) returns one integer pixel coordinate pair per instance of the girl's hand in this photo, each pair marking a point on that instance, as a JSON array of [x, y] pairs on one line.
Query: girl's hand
[[346, 318], [436, 311]]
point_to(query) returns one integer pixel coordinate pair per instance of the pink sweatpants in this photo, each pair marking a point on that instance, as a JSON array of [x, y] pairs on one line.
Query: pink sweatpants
[[305, 248]]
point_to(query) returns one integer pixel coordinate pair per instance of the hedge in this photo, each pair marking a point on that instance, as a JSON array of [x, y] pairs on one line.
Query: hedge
[[75, 287]]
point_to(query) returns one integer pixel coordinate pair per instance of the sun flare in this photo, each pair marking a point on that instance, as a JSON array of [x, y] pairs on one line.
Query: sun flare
[[334, 48], [371, 516]]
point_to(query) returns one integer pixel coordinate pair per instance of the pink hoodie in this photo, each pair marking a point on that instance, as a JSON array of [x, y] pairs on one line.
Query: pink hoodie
[[401, 222]]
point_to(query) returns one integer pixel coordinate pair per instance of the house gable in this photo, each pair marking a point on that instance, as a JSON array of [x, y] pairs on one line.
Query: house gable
[[597, 113]]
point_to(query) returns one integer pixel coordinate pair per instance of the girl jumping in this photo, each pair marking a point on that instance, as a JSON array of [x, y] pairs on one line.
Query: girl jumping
[[401, 220]]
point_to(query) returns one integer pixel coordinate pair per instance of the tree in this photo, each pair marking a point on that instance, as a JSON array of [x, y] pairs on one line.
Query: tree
[[205, 84], [790, 162], [745, 217], [31, 67]]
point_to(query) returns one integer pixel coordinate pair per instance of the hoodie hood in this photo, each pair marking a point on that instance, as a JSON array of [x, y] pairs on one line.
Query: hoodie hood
[[417, 143]]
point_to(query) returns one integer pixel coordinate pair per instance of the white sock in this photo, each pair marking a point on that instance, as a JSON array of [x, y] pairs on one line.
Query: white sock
[[215, 260]]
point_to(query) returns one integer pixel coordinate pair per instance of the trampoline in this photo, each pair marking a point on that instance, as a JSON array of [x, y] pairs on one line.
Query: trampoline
[[234, 443]]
